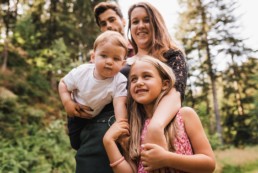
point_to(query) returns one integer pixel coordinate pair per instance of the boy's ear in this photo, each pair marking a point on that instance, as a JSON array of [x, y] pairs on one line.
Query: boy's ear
[[165, 85], [92, 57], [124, 62]]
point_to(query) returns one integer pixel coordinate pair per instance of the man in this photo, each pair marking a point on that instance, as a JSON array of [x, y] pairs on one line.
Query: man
[[91, 155], [108, 16]]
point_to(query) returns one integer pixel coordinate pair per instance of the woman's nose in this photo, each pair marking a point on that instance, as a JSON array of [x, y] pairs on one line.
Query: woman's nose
[[141, 24]]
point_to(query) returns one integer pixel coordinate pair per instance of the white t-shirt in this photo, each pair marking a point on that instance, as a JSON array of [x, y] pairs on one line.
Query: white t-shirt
[[89, 91]]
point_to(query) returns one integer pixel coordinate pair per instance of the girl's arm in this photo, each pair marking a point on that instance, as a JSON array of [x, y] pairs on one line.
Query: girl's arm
[[117, 160], [171, 103], [203, 159]]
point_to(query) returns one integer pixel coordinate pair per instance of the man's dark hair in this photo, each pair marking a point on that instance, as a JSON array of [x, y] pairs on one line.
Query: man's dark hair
[[103, 6]]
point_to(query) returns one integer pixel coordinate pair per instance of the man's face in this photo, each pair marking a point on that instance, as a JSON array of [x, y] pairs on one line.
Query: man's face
[[109, 20]]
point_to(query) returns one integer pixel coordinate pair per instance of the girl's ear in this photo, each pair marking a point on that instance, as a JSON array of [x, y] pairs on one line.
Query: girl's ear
[[165, 85]]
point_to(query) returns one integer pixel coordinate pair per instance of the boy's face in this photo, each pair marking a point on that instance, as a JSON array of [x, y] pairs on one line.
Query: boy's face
[[108, 59], [109, 20]]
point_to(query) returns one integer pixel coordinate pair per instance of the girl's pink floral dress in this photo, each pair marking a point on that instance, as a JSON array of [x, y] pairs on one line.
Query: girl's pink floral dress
[[181, 143]]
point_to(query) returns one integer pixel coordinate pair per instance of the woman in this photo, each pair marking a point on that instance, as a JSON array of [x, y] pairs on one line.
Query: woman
[[149, 36]]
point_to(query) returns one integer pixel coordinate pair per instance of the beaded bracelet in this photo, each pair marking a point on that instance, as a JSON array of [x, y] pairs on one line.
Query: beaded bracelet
[[117, 162]]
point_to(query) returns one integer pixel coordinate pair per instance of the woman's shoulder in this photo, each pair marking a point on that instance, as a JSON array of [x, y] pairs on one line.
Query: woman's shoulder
[[173, 53]]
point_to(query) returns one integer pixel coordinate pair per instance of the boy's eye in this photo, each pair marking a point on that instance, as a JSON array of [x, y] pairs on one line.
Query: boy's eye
[[117, 59], [103, 56]]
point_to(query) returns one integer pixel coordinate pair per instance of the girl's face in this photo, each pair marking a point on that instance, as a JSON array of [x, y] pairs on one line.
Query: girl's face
[[140, 29], [145, 83]]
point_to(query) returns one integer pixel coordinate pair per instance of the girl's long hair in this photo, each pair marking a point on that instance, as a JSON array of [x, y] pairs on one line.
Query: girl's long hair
[[136, 112], [161, 40]]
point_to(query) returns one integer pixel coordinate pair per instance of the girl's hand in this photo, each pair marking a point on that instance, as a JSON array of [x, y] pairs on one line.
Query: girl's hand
[[152, 156], [118, 129]]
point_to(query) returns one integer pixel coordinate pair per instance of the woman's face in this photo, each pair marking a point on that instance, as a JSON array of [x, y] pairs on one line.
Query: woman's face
[[140, 29]]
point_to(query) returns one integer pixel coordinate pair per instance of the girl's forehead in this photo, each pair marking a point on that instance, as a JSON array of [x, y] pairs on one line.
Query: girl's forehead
[[142, 66]]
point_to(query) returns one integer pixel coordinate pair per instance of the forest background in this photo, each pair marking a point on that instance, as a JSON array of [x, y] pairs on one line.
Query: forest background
[[42, 40]]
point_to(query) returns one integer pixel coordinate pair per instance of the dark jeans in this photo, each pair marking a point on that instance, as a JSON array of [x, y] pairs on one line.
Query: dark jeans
[[86, 136]]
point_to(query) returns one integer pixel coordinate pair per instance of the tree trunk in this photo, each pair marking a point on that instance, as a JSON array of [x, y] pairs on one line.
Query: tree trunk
[[211, 73]]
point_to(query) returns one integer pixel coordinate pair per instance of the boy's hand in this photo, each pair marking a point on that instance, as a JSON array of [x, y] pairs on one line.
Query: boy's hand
[[76, 109]]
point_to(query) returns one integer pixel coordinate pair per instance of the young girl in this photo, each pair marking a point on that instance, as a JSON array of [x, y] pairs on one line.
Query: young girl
[[189, 149]]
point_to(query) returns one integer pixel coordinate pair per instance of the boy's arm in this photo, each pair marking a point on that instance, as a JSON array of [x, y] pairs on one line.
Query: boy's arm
[[164, 113], [70, 106], [120, 107]]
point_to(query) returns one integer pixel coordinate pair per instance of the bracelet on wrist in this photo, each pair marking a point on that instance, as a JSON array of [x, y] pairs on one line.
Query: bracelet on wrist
[[117, 162]]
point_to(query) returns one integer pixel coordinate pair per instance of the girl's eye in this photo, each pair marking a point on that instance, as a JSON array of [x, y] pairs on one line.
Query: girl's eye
[[103, 56], [133, 80], [147, 76]]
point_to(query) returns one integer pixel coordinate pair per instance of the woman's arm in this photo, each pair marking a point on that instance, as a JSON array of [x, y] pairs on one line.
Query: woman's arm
[[165, 112], [117, 162], [171, 103], [203, 159]]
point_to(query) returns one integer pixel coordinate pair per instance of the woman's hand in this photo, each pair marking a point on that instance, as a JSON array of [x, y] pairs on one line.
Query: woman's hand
[[152, 157], [118, 129]]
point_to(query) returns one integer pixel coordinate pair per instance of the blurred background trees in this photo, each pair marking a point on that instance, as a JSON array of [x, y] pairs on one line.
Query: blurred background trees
[[40, 41]]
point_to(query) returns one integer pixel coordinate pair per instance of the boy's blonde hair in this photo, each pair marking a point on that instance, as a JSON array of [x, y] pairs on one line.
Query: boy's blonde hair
[[136, 111], [111, 36]]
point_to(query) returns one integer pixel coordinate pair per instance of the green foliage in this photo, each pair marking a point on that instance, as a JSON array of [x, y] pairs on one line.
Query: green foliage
[[248, 168], [209, 31], [30, 146]]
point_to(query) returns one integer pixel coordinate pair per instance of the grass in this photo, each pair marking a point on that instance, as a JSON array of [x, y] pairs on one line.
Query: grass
[[235, 160]]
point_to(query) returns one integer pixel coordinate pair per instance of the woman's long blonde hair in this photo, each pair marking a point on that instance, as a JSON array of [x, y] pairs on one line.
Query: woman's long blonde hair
[[136, 111], [161, 40]]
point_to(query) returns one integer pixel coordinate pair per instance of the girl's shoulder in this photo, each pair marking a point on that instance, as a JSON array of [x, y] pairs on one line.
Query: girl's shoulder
[[188, 113]]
